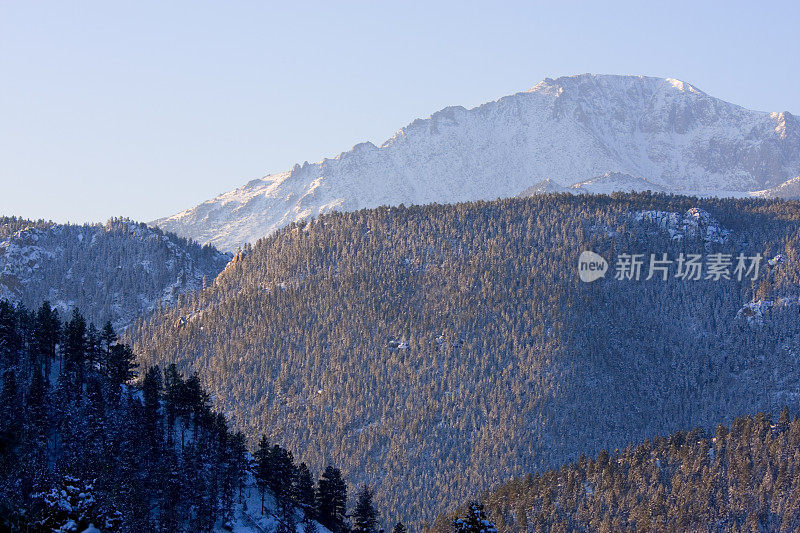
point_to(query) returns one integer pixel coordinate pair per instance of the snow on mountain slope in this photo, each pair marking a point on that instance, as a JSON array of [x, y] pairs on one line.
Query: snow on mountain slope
[[249, 519], [547, 186], [788, 189], [115, 271], [664, 134]]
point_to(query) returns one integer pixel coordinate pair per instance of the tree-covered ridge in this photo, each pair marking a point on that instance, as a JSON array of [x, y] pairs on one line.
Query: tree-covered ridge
[[742, 477], [439, 350], [10, 225], [115, 271], [83, 441]]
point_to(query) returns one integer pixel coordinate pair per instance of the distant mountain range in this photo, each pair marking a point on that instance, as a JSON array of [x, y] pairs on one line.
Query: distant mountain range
[[116, 271], [585, 133]]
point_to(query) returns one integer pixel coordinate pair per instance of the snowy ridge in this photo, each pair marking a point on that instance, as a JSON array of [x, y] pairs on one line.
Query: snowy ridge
[[588, 133], [115, 271], [788, 189]]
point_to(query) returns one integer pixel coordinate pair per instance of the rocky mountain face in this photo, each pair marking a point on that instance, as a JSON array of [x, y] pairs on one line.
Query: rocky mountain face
[[117, 271], [586, 133]]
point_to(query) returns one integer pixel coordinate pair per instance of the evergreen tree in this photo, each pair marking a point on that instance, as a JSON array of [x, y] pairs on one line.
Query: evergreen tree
[[287, 519], [233, 470], [151, 391], [308, 524], [10, 340], [281, 480], [365, 517], [193, 397], [46, 334], [304, 489], [94, 431], [475, 521], [121, 365], [263, 468], [75, 343], [332, 500], [106, 339], [10, 421], [93, 351], [35, 434], [173, 384], [171, 497]]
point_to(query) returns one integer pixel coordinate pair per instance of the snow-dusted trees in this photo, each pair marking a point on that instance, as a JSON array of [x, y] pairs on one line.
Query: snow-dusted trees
[[738, 478], [83, 449], [115, 271], [475, 521], [413, 342]]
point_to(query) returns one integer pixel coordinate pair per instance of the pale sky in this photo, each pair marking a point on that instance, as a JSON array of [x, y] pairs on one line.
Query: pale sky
[[145, 108]]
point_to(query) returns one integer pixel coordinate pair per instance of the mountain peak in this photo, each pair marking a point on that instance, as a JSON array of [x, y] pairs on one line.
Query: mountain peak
[[650, 133], [683, 86], [587, 83]]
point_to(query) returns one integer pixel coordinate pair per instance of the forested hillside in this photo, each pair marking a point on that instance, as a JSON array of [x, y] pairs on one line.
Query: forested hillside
[[437, 351], [114, 271], [81, 444], [742, 477]]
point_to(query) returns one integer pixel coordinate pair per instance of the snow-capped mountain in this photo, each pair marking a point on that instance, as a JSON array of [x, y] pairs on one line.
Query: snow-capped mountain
[[605, 184], [588, 133], [115, 271]]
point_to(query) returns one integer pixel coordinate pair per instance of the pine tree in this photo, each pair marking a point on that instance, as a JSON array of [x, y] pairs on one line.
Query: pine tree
[[365, 517], [238, 459], [75, 343], [121, 365], [263, 472], [332, 500], [94, 434], [233, 470], [10, 419], [107, 338], [47, 328], [9, 336], [78, 454], [173, 382], [92, 348], [151, 390], [309, 525], [287, 519], [193, 397], [281, 479], [475, 521], [304, 489], [35, 475], [173, 515]]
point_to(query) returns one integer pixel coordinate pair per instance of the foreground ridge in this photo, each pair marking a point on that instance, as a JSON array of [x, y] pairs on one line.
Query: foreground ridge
[[742, 477]]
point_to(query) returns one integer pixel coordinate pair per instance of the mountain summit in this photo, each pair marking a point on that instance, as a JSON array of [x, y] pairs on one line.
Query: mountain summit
[[579, 132]]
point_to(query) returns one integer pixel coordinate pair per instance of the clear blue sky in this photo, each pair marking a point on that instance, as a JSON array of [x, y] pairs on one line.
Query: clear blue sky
[[144, 108]]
